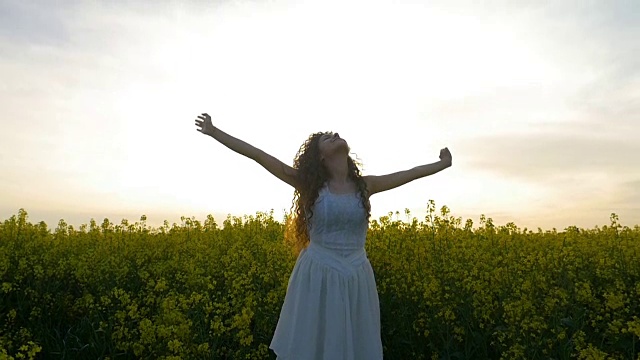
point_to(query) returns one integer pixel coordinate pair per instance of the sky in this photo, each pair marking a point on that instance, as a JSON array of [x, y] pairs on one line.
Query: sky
[[538, 102]]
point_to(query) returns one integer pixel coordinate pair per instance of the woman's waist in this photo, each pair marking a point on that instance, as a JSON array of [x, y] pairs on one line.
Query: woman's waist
[[346, 263], [339, 243]]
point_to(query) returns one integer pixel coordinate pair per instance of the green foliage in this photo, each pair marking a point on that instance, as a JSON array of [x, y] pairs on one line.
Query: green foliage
[[200, 290]]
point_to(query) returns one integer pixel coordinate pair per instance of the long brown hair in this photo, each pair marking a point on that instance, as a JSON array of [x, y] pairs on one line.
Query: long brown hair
[[311, 177]]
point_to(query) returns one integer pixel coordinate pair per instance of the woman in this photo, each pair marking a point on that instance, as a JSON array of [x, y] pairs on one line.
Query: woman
[[331, 308]]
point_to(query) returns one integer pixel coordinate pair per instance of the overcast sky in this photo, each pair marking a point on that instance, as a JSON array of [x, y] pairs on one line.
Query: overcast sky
[[538, 101]]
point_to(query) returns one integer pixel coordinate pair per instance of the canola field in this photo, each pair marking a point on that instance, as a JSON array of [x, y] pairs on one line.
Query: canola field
[[202, 290]]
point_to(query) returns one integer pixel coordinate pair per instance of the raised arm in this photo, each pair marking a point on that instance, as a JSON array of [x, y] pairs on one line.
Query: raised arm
[[376, 184], [282, 171]]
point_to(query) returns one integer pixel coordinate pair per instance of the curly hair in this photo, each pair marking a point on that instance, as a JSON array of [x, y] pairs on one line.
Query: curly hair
[[312, 175]]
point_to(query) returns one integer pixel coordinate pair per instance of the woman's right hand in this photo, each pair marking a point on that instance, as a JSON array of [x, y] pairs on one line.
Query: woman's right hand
[[204, 124]]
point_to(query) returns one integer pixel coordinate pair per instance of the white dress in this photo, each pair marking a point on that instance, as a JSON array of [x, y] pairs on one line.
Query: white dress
[[331, 309]]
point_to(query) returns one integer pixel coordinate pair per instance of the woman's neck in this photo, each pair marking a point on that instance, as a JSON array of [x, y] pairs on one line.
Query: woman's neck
[[338, 169]]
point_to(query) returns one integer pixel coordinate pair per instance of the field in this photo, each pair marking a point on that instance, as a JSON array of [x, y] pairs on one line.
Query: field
[[200, 290]]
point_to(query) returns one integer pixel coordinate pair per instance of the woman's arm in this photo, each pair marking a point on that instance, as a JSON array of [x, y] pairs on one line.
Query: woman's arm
[[376, 184], [279, 169]]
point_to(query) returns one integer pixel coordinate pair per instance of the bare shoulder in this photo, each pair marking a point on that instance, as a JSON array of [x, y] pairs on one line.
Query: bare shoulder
[[370, 183]]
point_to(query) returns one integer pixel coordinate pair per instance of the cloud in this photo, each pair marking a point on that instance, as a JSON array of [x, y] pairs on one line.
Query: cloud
[[611, 104], [547, 156], [584, 119], [628, 194], [26, 22], [585, 177]]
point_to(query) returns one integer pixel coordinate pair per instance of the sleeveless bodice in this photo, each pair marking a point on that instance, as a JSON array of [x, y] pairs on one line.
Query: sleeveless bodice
[[339, 222]]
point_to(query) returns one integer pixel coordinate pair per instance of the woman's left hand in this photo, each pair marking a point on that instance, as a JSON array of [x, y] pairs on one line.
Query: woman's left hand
[[445, 156]]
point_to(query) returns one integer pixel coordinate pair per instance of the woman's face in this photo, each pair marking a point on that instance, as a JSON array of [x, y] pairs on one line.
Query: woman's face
[[330, 144]]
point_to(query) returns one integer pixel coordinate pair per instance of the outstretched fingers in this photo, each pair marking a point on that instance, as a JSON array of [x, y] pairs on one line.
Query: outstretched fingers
[[201, 121], [199, 124]]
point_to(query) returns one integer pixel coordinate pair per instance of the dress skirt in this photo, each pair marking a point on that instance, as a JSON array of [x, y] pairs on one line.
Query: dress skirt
[[331, 309]]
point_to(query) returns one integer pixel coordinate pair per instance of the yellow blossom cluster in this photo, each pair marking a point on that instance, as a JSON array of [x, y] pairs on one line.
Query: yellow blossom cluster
[[449, 290], [197, 290]]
